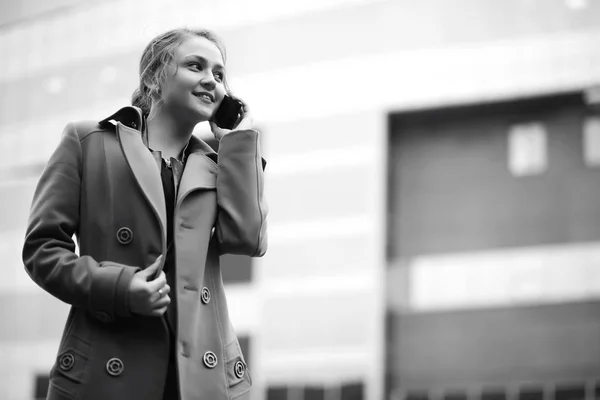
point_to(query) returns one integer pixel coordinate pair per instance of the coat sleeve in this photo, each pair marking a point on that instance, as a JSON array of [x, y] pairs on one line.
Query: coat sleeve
[[241, 226], [49, 251]]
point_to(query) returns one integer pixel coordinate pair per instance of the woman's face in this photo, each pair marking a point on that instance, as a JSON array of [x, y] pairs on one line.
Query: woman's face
[[195, 85]]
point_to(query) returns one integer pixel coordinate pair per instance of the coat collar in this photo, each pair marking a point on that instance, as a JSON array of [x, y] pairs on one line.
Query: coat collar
[[132, 117]]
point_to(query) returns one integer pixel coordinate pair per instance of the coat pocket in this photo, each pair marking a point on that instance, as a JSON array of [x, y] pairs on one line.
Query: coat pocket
[[56, 393], [69, 372], [238, 377]]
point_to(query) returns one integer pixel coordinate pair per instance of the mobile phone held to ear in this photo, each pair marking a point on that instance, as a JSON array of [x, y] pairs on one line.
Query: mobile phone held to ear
[[228, 113]]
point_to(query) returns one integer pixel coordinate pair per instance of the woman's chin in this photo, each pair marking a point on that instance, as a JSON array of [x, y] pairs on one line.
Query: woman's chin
[[202, 117], [194, 115], [203, 114]]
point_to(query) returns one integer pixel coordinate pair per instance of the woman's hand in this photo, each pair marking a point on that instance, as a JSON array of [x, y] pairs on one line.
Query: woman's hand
[[149, 298], [244, 122]]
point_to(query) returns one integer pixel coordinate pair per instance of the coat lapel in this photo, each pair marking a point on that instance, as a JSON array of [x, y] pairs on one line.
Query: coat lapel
[[145, 170], [199, 172]]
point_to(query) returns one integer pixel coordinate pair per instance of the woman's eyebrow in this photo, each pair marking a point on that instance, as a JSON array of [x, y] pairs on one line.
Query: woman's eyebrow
[[203, 60]]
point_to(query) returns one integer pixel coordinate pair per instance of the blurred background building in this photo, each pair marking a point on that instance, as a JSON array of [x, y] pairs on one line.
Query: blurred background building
[[432, 178]]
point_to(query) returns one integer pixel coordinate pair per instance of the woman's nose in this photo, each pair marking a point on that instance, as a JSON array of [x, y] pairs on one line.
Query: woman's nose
[[208, 82]]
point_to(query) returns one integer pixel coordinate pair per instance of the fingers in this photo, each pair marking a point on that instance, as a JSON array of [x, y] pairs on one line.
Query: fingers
[[158, 283], [245, 117], [245, 123], [214, 127], [152, 268], [217, 131], [157, 302], [160, 293], [161, 302], [245, 108], [159, 311], [244, 112]]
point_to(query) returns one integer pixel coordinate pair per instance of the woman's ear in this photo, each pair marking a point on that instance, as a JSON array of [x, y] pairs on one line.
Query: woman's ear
[[152, 87], [155, 92]]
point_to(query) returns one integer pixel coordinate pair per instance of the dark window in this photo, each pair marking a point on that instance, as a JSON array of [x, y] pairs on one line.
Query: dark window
[[314, 393], [417, 396], [493, 394], [277, 393], [455, 396], [570, 392], [41, 386], [236, 268], [352, 391], [532, 393], [245, 346]]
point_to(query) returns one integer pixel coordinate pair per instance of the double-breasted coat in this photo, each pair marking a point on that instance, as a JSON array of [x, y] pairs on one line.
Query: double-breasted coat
[[102, 184]]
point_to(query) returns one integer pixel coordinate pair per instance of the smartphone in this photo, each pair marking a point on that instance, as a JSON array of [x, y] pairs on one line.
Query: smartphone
[[228, 113]]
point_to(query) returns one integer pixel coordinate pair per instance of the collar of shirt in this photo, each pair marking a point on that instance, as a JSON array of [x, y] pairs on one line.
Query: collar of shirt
[[176, 164]]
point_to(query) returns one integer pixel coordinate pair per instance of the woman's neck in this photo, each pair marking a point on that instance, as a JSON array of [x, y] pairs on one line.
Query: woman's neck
[[168, 134]]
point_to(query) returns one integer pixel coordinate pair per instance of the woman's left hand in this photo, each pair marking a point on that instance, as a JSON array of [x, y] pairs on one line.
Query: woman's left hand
[[245, 122]]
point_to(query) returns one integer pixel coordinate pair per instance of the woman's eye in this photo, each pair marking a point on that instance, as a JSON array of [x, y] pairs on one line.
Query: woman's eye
[[219, 77], [196, 66]]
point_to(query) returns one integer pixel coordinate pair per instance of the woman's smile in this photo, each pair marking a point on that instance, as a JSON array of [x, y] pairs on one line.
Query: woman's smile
[[205, 97]]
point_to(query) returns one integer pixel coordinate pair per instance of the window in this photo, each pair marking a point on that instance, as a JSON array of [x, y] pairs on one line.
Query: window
[[570, 392], [591, 141], [493, 394], [547, 391], [527, 149], [345, 391], [41, 386], [245, 346], [455, 396], [531, 393], [417, 396], [277, 393], [314, 393], [352, 391]]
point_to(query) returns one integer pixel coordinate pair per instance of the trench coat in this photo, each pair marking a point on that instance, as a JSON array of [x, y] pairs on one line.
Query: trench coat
[[102, 185]]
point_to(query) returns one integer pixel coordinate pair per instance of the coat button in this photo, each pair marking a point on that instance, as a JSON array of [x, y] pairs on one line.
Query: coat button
[[124, 235], [133, 125], [66, 361], [210, 359], [239, 369], [115, 367], [205, 295], [103, 316]]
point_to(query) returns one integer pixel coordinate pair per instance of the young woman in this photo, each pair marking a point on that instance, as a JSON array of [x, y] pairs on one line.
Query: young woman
[[152, 207]]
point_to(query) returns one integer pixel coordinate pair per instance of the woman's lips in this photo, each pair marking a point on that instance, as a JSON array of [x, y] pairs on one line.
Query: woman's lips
[[205, 96]]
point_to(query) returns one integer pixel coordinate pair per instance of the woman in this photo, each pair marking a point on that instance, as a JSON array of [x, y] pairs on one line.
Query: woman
[[153, 208]]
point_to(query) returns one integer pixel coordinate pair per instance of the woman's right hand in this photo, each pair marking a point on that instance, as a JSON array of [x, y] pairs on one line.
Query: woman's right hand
[[149, 298]]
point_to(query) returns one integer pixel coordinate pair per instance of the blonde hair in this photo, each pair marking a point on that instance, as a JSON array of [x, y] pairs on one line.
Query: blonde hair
[[155, 59]]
